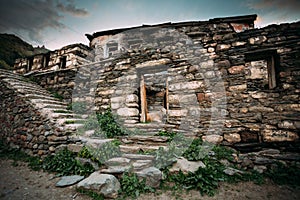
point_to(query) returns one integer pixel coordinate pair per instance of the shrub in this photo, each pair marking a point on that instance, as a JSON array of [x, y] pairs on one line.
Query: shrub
[[109, 125], [103, 153], [64, 163], [131, 186]]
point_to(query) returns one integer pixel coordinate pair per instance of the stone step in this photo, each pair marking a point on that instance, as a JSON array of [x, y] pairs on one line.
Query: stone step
[[46, 101], [52, 106], [133, 156], [37, 92], [57, 110], [23, 83], [37, 96], [18, 80], [72, 127], [30, 89], [140, 148], [40, 98], [70, 121], [147, 132], [144, 139], [150, 128], [119, 165], [57, 115], [150, 125], [11, 75], [94, 142]]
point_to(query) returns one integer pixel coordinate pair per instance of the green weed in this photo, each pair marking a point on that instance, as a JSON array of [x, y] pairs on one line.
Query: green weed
[[64, 163], [131, 186]]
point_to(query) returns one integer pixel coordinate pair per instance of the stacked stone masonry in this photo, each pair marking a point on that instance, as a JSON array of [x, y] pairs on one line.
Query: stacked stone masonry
[[223, 85], [221, 80], [70, 56], [32, 119]]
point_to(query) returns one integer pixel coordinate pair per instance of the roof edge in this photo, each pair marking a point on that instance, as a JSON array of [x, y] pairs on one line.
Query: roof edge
[[234, 19]]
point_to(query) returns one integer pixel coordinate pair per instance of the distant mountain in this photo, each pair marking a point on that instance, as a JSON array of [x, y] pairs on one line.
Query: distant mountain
[[13, 47]]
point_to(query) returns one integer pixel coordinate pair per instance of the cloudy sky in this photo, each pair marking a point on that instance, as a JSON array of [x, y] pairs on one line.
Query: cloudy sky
[[56, 23]]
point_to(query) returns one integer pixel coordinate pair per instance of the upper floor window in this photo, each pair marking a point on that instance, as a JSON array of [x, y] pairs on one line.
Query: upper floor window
[[63, 62], [46, 60], [262, 67], [29, 64], [111, 48]]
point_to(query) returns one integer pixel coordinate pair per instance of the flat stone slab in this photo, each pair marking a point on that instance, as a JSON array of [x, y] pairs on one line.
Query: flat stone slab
[[105, 184], [116, 169], [119, 161], [142, 164], [231, 171], [69, 180], [144, 138], [138, 156], [135, 148]]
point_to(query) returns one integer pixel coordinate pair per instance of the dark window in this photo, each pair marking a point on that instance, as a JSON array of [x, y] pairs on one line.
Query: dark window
[[63, 62], [111, 48], [262, 68], [46, 60], [29, 64]]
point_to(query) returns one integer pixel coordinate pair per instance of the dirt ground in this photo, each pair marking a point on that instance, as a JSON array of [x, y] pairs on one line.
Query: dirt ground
[[21, 183]]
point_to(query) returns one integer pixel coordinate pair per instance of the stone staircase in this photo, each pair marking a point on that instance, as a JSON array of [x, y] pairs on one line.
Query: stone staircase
[[146, 139], [44, 101], [66, 121], [142, 143]]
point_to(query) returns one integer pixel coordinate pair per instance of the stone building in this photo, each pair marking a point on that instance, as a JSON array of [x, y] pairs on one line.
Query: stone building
[[70, 56], [222, 80]]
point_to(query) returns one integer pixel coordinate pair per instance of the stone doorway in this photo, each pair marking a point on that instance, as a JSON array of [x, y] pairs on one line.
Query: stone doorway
[[153, 94]]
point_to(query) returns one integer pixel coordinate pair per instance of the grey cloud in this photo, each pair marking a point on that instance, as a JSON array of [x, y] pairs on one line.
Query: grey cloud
[[31, 18], [71, 9]]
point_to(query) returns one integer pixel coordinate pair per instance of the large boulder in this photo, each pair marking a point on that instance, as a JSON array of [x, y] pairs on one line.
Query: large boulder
[[105, 184], [152, 175], [186, 166]]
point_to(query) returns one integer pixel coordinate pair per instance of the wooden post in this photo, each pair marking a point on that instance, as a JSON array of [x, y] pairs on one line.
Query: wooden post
[[271, 72], [143, 100]]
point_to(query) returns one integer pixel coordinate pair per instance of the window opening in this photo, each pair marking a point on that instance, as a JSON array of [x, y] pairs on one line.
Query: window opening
[[262, 67], [63, 62]]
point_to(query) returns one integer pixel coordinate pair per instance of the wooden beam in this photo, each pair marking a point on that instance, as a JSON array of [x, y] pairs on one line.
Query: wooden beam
[[143, 98]]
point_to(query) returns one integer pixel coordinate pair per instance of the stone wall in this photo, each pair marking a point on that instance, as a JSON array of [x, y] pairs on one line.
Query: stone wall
[[262, 108], [223, 85], [59, 82], [70, 56], [220, 80], [56, 70], [25, 126]]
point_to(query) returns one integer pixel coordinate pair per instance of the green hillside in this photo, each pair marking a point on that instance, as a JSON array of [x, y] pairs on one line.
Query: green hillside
[[12, 47]]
